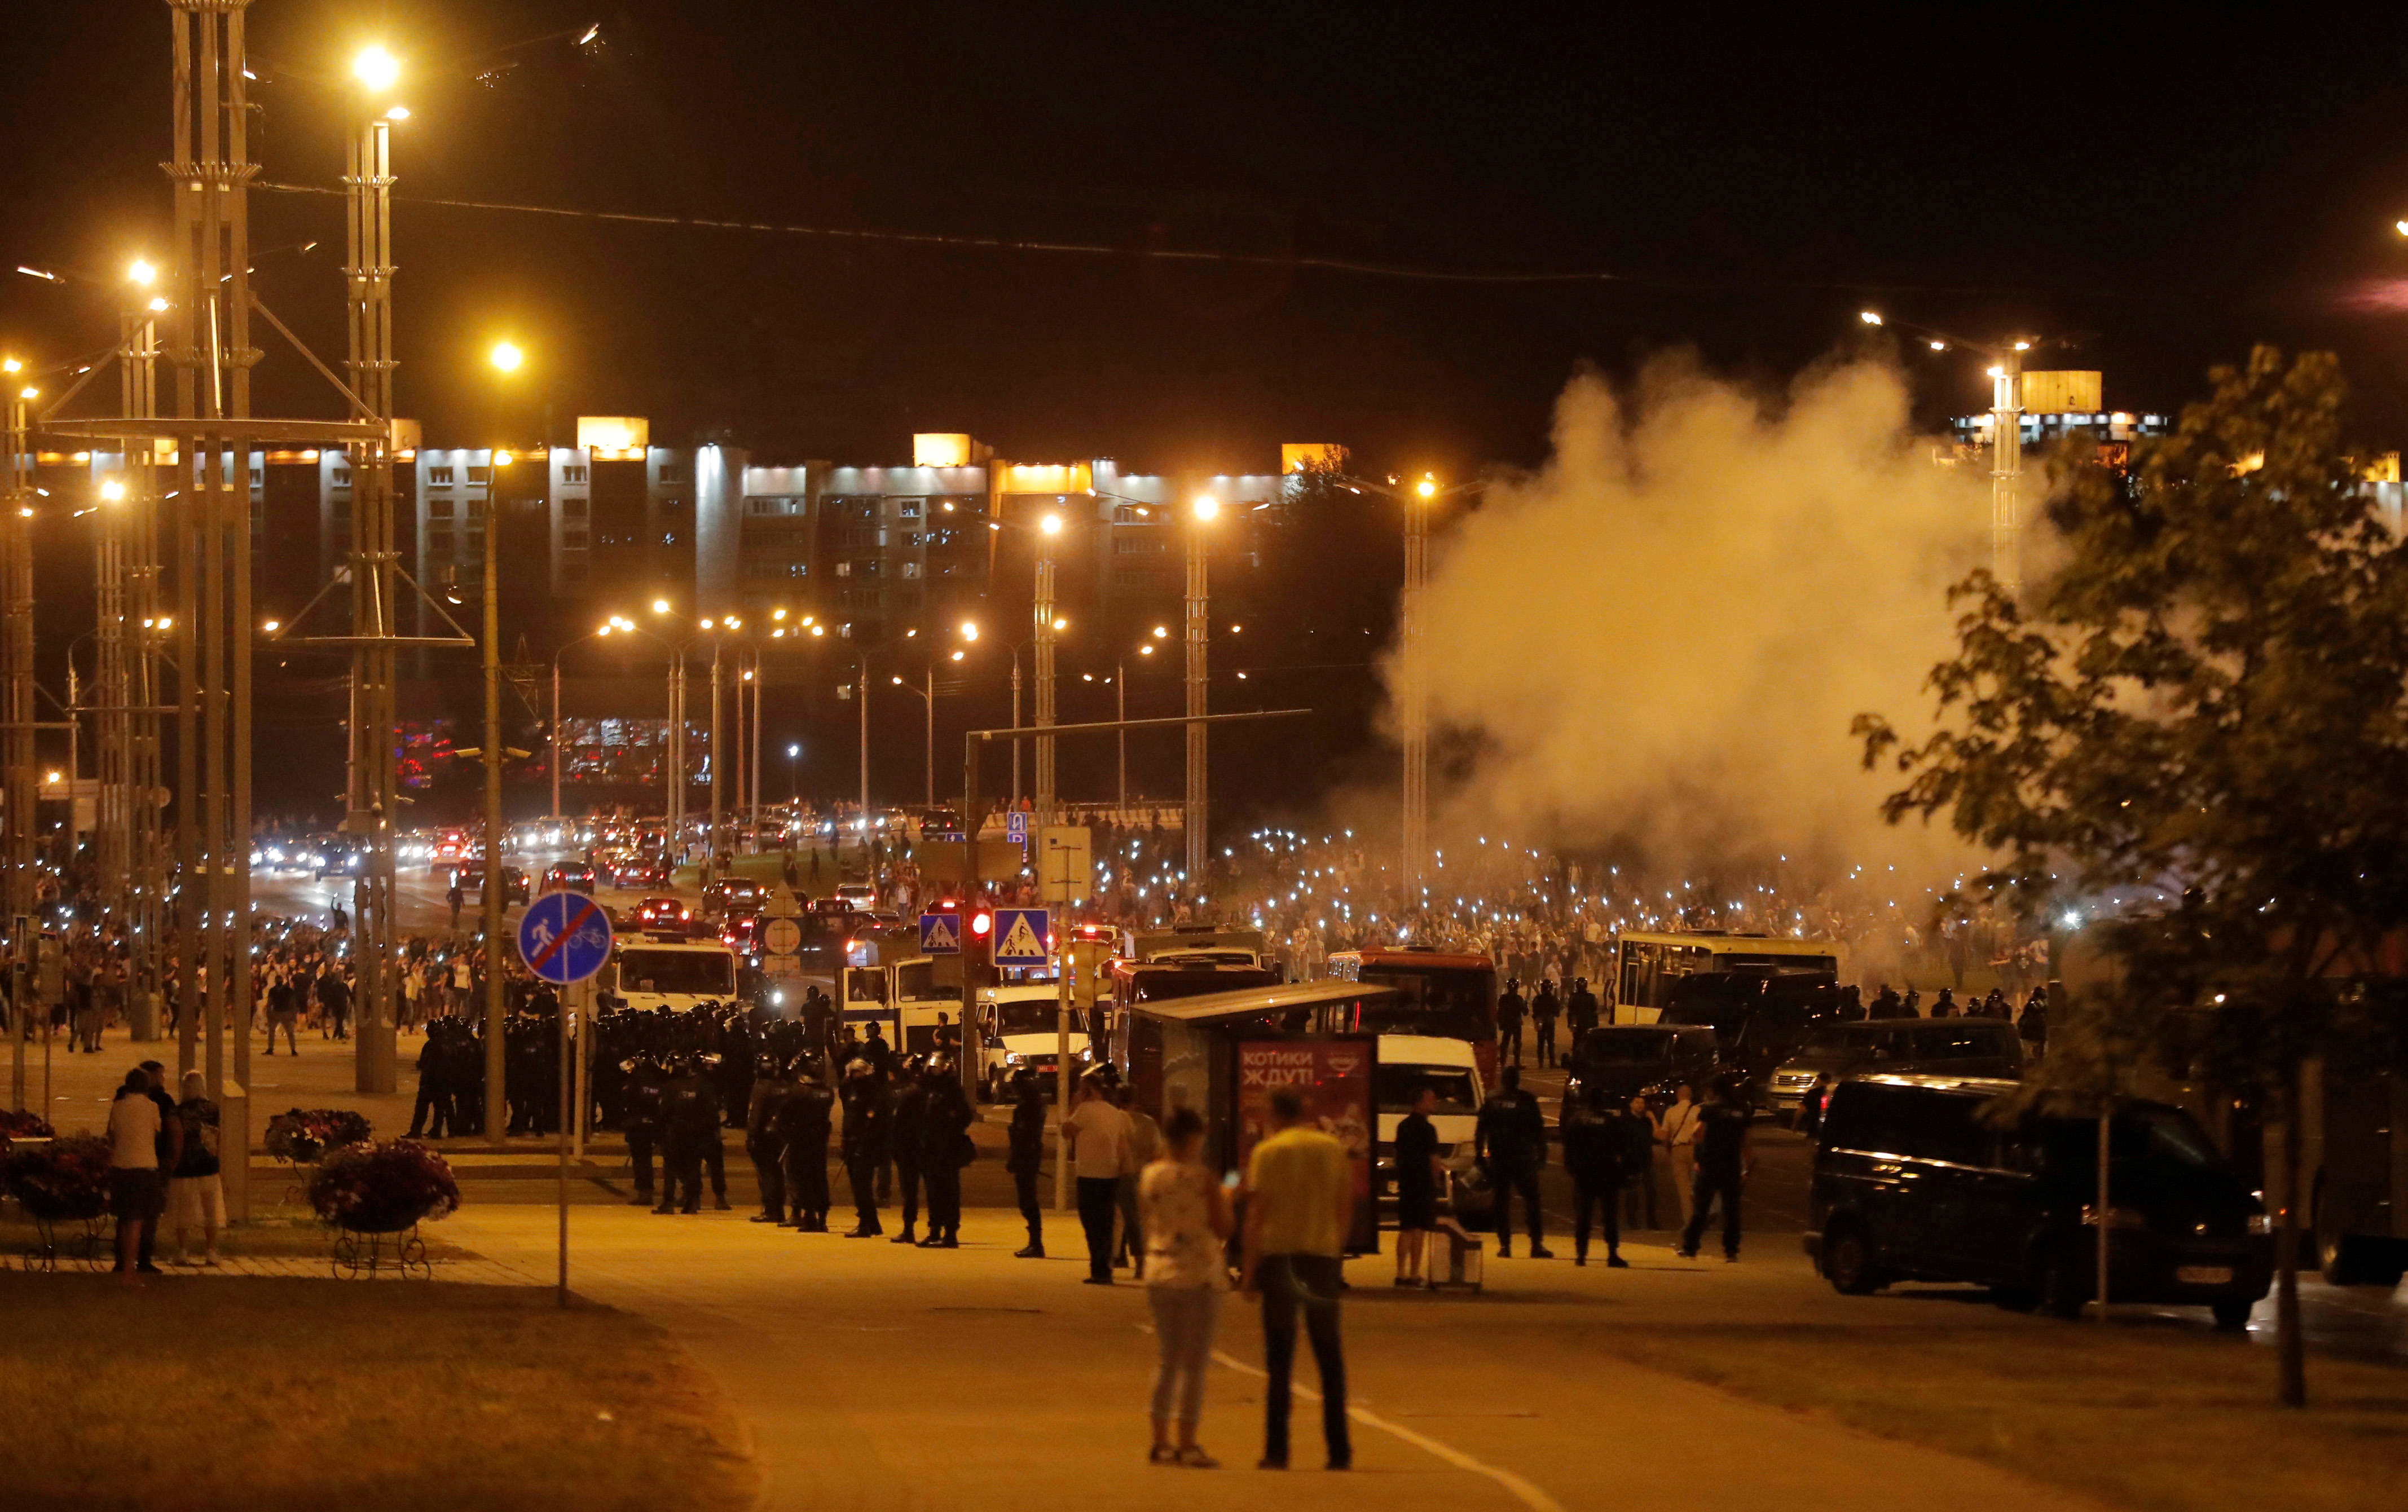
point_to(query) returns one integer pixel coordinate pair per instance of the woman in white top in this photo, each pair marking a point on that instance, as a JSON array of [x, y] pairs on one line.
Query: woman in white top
[[1187, 1224]]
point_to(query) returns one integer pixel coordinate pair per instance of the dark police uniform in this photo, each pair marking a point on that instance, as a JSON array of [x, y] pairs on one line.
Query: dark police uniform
[[944, 1126], [1027, 1155], [1511, 1134]]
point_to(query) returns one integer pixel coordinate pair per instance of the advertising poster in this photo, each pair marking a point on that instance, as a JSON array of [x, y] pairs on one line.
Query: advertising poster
[[1333, 1078]]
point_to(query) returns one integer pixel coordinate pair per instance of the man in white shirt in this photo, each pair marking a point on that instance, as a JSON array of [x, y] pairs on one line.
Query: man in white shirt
[[1681, 1127], [1097, 1138], [134, 1188]]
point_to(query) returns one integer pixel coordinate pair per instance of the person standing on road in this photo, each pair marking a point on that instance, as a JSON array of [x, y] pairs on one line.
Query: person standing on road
[[1420, 1177], [1097, 1136], [903, 1138], [1185, 1214], [1510, 1136], [1642, 1136], [803, 1124], [1508, 1021], [1678, 1130], [1593, 1154], [867, 1115], [1544, 1010], [945, 1148], [453, 898], [762, 1142], [1580, 1011], [334, 996], [1723, 1158], [1027, 1155], [283, 1012], [1145, 1143], [1299, 1206]]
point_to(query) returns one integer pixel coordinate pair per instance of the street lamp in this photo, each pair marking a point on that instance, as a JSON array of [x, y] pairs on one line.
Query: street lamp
[[794, 774], [507, 356], [2006, 375], [1197, 821], [376, 69], [559, 751]]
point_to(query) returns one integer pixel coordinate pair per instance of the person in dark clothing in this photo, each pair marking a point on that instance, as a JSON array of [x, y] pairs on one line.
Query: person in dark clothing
[[945, 1120], [1511, 1139], [1594, 1155], [429, 1115], [646, 1081], [806, 1122], [1419, 1178], [868, 1111], [1852, 1005], [1580, 1011], [2032, 1028], [1028, 1154], [904, 1136], [762, 1143], [335, 997], [690, 1119], [1544, 1010], [1510, 1011], [1724, 1157]]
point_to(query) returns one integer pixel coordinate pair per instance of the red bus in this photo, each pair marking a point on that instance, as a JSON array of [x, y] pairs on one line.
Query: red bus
[[1446, 997]]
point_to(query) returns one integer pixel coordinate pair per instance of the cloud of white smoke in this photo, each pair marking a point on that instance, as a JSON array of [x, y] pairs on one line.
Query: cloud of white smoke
[[1659, 639]]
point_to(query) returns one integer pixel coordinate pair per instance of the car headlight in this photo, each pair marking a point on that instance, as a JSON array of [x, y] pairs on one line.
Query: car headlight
[[1014, 1058]]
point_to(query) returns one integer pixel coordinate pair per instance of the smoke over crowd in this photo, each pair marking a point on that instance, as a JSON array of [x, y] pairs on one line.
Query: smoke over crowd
[[1655, 643]]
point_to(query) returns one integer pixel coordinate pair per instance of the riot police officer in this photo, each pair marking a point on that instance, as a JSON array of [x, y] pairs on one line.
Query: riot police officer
[[646, 1081], [1510, 1137], [945, 1123], [1580, 1011], [690, 1119], [804, 1122], [1545, 1008], [769, 1091], [867, 1112], [1027, 1155], [1510, 1011], [903, 1141]]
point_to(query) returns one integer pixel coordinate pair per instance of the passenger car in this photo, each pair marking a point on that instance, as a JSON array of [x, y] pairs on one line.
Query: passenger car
[[1627, 1061], [1913, 1182]]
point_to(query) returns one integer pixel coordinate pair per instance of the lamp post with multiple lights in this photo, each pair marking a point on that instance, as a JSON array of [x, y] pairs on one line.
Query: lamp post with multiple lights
[[2006, 375]]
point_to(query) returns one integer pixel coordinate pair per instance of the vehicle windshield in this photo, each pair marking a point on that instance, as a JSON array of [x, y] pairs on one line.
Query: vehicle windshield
[[1829, 1044], [1026, 1016], [696, 973], [1397, 1086], [1627, 1046], [1444, 1005]]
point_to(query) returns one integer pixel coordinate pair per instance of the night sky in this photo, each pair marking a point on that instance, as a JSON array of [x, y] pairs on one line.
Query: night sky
[[2166, 187]]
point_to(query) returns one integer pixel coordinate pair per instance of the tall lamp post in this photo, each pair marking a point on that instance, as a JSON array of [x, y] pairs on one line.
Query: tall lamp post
[[2006, 375], [559, 750], [506, 358], [1199, 634], [1046, 622]]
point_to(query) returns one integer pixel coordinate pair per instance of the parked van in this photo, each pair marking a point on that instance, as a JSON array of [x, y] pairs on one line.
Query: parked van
[[1940, 1046], [1651, 1061], [1408, 1064], [1911, 1183]]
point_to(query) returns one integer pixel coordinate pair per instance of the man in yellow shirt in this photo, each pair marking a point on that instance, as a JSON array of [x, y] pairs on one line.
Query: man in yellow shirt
[[1299, 1207]]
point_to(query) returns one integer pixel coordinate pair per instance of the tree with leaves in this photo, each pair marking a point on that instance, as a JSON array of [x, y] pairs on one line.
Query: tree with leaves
[[2206, 704]]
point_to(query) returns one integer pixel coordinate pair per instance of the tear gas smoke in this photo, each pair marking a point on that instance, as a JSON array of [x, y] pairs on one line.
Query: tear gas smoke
[[1656, 641]]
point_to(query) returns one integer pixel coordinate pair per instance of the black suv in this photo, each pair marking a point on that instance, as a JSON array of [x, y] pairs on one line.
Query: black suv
[[1649, 1061], [1911, 1183]]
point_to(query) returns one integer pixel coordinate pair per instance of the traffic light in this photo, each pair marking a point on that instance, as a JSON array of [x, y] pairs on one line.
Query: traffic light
[[981, 923]]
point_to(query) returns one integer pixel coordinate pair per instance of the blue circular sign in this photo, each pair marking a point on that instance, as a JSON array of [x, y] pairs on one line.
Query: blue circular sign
[[565, 937]]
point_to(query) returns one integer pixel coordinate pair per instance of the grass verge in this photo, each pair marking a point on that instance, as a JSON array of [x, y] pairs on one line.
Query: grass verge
[[2142, 1418], [268, 1392]]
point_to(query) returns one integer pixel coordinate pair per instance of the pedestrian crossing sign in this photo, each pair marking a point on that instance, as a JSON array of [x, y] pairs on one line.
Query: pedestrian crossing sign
[[940, 933], [1020, 936]]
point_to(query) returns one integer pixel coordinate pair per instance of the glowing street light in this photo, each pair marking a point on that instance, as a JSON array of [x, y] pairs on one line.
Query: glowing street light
[[113, 492], [659, 605], [507, 356], [376, 69], [1870, 317], [141, 271], [970, 630], [1050, 524], [1207, 507]]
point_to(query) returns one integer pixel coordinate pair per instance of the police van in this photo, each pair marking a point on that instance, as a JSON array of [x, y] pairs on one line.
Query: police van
[[1019, 1026], [673, 974]]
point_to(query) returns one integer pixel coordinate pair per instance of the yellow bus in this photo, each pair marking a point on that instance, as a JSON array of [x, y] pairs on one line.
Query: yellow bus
[[1647, 967]]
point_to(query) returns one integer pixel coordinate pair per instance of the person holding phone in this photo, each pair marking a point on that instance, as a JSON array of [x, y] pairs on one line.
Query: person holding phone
[[1186, 1219]]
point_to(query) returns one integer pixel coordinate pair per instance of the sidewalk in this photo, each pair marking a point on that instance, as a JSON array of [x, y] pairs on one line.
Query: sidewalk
[[875, 1377]]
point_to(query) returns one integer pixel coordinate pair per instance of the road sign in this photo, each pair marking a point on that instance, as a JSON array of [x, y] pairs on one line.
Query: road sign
[[783, 904], [1016, 825], [940, 933], [783, 937], [1065, 865], [565, 937], [1020, 935]]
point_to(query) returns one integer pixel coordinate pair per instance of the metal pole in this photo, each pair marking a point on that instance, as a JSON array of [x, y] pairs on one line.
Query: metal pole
[[555, 735], [1414, 715], [2006, 468], [496, 1117], [1044, 658], [753, 768], [860, 691], [1062, 1069], [1015, 724], [568, 1075], [1120, 712], [22, 789], [718, 769], [932, 736], [1199, 634]]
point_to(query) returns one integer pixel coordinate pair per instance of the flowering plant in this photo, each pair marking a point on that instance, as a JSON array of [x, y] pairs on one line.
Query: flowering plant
[[303, 1135], [382, 1188], [64, 1179], [22, 1126]]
